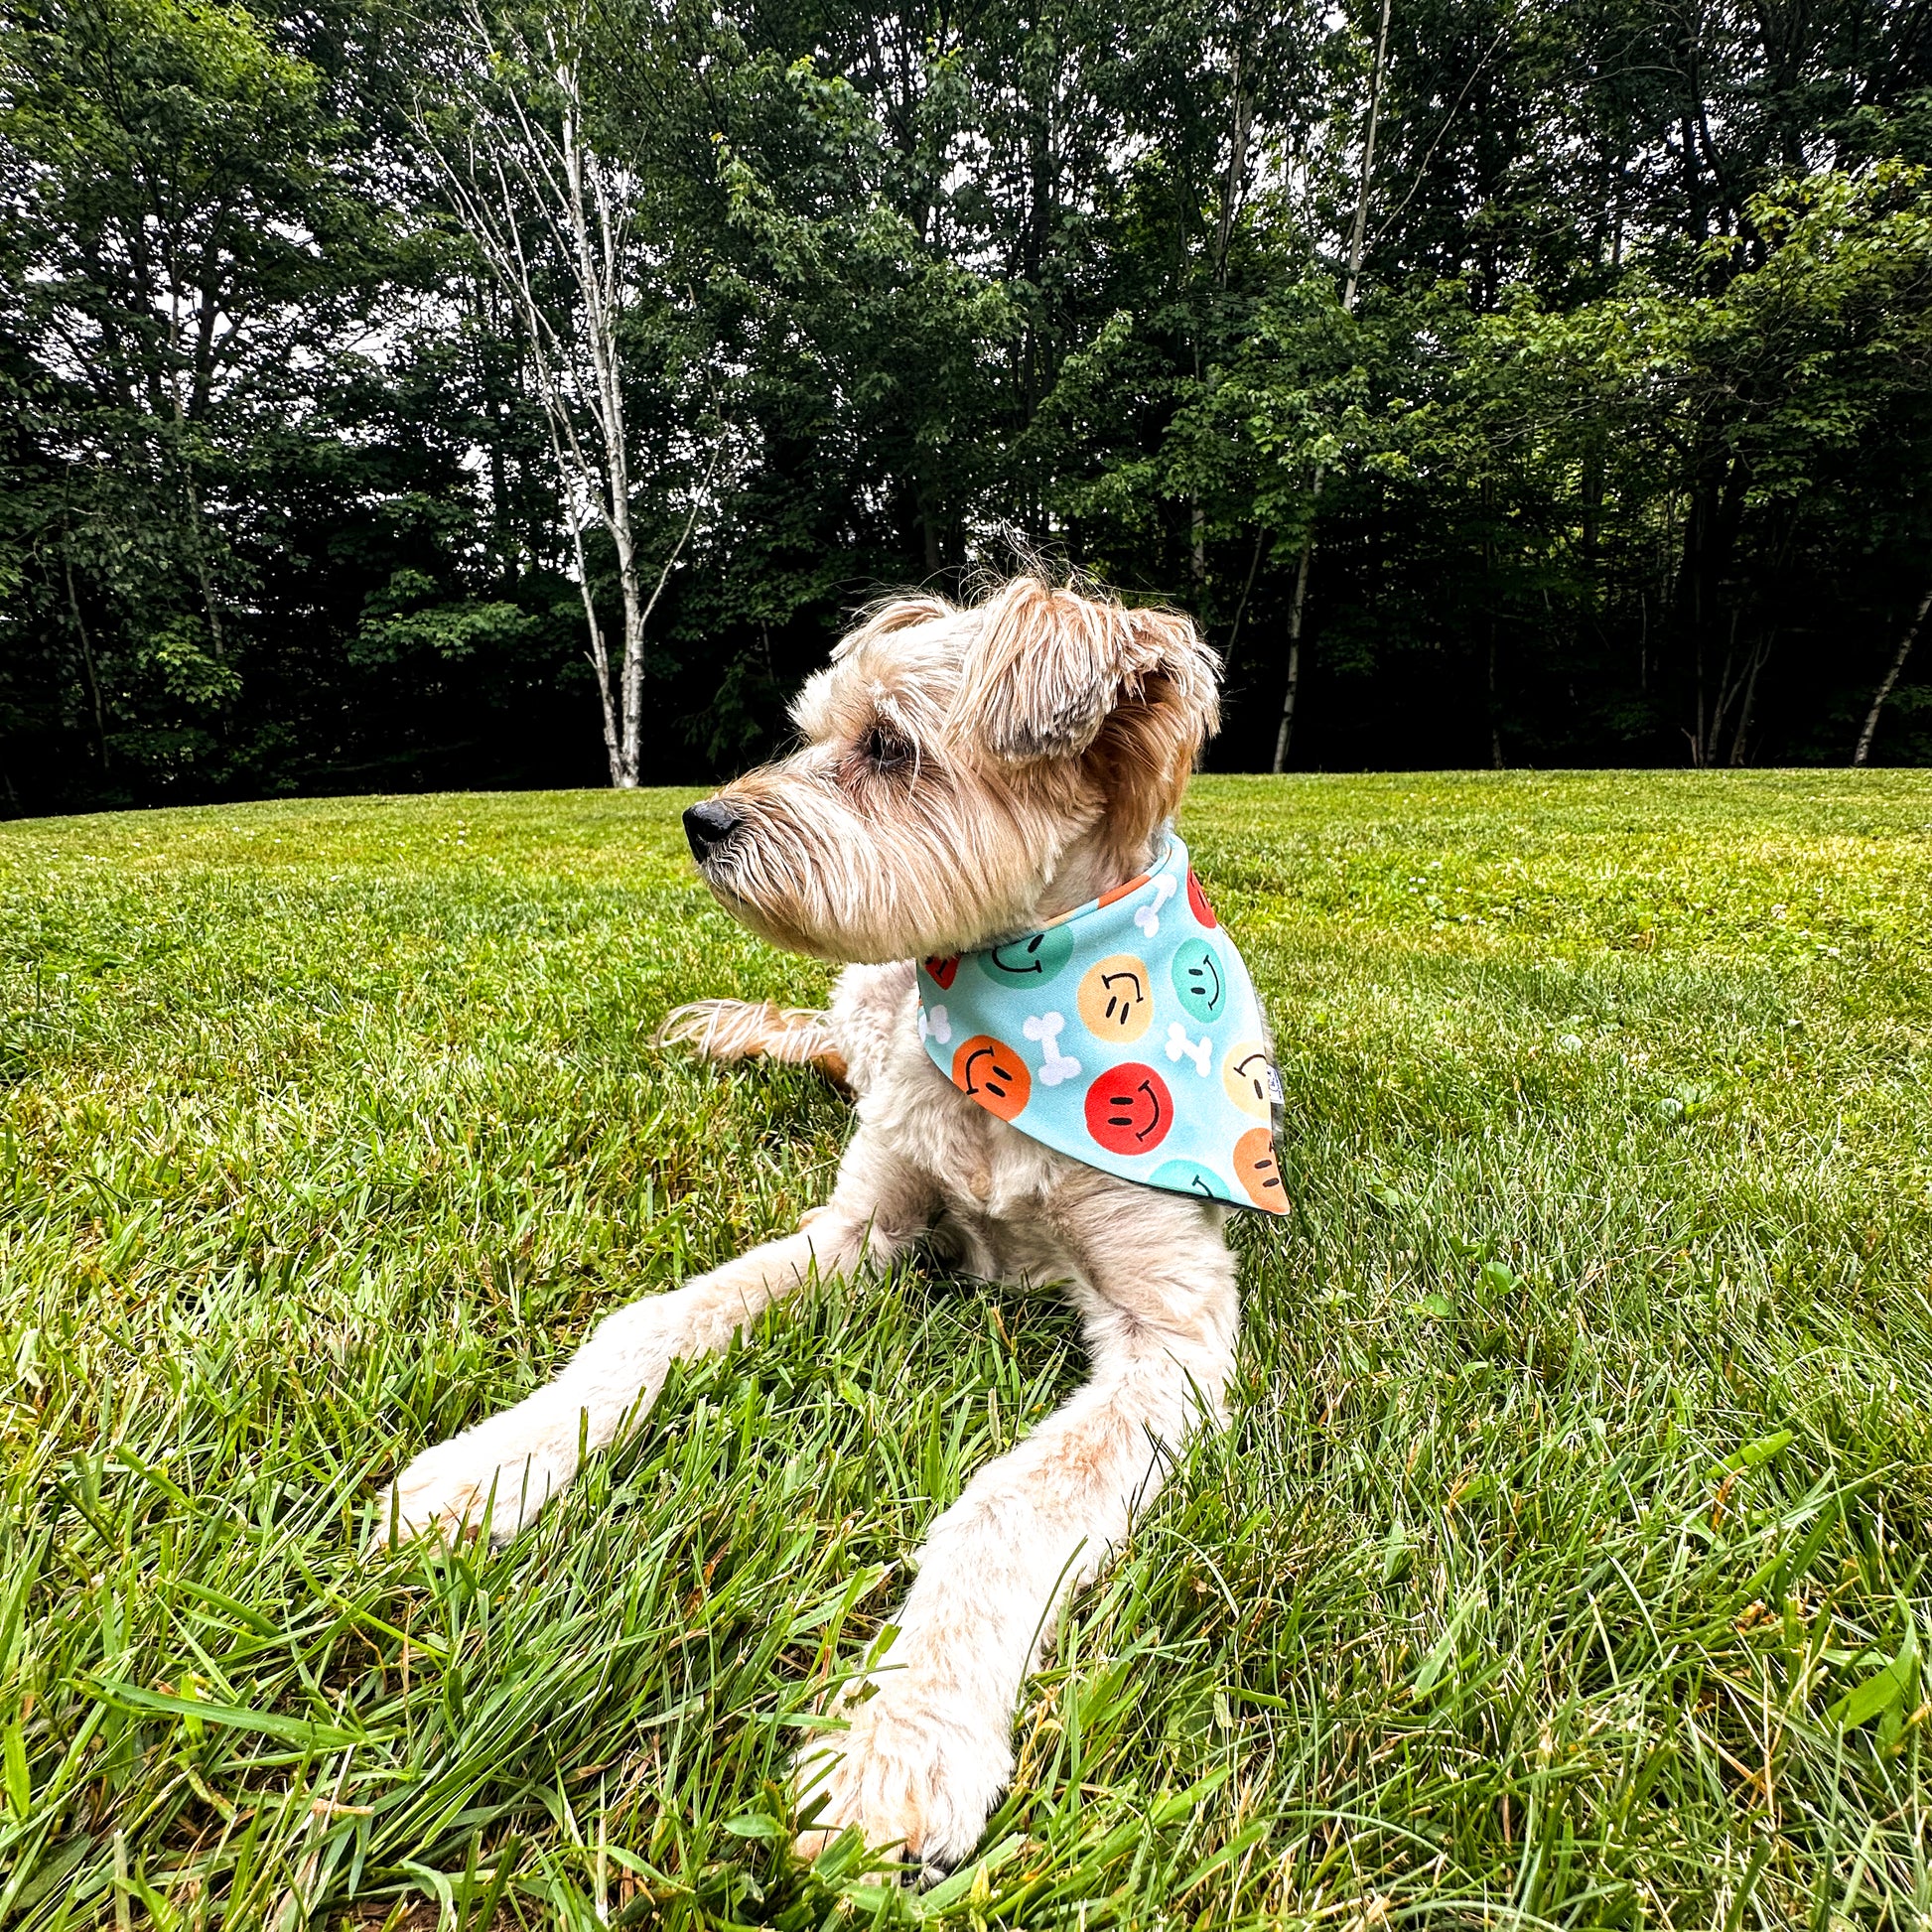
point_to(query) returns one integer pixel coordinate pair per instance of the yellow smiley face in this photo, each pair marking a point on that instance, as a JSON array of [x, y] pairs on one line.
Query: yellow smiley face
[[1117, 999], [1244, 1074]]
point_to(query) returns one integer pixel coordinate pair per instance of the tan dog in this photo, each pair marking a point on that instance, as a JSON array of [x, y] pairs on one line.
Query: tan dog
[[966, 774]]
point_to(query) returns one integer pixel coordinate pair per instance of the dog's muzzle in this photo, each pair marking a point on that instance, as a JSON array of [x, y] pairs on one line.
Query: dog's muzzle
[[709, 825]]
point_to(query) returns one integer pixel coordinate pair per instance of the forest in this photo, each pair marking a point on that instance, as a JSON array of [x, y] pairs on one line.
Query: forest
[[403, 398]]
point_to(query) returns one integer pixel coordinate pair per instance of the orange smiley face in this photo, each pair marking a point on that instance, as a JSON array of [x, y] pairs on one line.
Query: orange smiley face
[[1256, 1169], [1248, 1079], [991, 1072]]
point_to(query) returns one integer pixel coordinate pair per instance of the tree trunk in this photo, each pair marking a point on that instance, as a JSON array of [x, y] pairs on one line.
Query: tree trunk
[[524, 187], [1285, 730], [1241, 609], [596, 247], [202, 379], [1883, 692], [217, 641], [87, 662], [1236, 175], [1496, 722], [1760, 657]]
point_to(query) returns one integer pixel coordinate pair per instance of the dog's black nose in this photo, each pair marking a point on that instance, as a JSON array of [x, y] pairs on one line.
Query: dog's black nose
[[708, 826]]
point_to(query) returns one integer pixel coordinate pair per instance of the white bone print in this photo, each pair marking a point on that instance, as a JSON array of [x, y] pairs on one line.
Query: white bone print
[[933, 1025], [1147, 918], [1054, 1066], [1200, 1050]]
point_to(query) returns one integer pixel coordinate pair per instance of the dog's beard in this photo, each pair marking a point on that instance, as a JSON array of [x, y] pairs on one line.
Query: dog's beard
[[812, 876]]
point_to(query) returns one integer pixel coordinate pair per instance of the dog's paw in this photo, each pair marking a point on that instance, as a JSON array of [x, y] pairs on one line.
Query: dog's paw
[[913, 1776], [493, 1473]]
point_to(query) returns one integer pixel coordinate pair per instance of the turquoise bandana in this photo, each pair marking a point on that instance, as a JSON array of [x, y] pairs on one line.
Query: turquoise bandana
[[1125, 1035]]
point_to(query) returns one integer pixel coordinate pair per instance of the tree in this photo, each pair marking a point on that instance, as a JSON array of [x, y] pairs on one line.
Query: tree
[[183, 244], [511, 135], [368, 371]]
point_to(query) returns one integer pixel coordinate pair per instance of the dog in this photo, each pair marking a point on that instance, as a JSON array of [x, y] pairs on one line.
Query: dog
[[965, 773]]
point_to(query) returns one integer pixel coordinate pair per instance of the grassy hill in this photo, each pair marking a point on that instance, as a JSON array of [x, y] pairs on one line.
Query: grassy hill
[[1566, 1563]]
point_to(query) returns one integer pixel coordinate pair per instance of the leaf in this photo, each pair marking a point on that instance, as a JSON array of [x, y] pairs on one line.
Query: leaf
[[269, 1724], [754, 1824], [1445, 1651], [1436, 1304], [969, 1879], [1397, 1555], [1442, 1654], [20, 1791], [1766, 1447], [1877, 1694], [1755, 1455]]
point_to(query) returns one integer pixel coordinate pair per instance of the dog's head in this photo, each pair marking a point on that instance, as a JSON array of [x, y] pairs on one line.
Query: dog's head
[[961, 768]]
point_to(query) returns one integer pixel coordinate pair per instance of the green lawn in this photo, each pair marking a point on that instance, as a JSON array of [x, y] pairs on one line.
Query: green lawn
[[1565, 1564]]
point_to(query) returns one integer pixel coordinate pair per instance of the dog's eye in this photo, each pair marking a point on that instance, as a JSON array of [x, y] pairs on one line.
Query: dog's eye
[[884, 749]]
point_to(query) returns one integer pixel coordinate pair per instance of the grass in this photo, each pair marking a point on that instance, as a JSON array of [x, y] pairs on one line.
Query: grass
[[1565, 1564]]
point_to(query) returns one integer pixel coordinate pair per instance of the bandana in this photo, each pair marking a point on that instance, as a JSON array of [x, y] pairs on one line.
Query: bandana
[[1125, 1035]]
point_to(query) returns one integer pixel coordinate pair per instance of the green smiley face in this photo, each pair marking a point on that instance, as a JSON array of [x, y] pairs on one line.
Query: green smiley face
[[1188, 1177], [1200, 980], [1031, 961]]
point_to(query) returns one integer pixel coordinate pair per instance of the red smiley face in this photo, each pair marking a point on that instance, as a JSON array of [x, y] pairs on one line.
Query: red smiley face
[[1128, 1109], [1197, 901], [942, 972], [993, 1074]]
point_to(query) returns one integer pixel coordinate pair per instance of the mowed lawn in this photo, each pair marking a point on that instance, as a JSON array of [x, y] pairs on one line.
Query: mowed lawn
[[1566, 1563]]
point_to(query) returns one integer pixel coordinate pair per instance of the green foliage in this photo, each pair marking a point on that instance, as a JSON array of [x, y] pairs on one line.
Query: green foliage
[[1624, 450], [1563, 1561]]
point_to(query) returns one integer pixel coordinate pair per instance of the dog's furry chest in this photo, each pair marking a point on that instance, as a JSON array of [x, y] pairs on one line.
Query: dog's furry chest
[[1005, 1195]]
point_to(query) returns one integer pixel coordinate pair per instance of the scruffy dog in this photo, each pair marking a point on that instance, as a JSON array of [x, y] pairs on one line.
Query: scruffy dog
[[966, 774]]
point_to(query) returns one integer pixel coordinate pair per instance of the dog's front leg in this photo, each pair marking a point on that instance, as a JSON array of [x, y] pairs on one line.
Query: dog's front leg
[[511, 1463], [929, 1743]]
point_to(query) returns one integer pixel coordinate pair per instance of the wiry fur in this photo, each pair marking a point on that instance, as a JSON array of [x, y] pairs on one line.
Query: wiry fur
[[964, 774]]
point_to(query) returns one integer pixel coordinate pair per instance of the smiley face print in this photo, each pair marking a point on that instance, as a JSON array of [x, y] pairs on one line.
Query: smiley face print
[[1256, 1169], [991, 1072], [1117, 999], [1031, 961], [1190, 1177], [1128, 1109], [1144, 988], [1249, 1078], [1200, 980]]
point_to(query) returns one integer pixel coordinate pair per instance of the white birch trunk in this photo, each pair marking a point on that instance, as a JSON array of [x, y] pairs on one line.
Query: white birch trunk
[[532, 194], [1905, 644]]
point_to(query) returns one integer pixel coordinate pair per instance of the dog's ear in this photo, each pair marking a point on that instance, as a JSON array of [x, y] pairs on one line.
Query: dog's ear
[[1048, 669], [1166, 708]]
